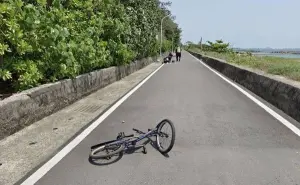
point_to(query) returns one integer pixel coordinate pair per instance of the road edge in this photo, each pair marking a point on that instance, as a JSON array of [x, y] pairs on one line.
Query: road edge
[[26, 178], [270, 111]]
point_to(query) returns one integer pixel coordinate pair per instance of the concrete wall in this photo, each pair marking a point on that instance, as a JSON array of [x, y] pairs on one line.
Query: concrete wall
[[22, 109], [280, 92]]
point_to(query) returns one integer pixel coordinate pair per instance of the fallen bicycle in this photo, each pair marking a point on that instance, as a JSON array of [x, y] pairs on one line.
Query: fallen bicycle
[[107, 149]]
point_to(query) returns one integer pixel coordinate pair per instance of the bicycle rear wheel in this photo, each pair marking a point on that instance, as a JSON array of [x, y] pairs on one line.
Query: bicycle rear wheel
[[106, 151], [163, 135]]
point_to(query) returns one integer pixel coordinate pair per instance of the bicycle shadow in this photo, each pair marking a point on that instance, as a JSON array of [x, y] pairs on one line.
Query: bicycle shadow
[[129, 151]]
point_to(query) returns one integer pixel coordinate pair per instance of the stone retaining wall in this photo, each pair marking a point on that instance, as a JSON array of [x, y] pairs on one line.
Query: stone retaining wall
[[27, 107], [280, 92]]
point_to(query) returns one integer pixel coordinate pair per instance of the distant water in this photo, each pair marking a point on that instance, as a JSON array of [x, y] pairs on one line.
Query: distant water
[[278, 55]]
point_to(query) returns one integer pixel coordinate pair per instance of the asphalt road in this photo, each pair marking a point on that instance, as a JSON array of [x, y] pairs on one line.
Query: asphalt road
[[222, 137]]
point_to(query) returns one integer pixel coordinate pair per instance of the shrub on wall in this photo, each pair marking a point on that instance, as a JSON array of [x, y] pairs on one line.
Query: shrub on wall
[[47, 40]]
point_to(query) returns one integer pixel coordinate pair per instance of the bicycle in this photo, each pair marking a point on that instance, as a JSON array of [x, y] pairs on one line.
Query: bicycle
[[122, 143]]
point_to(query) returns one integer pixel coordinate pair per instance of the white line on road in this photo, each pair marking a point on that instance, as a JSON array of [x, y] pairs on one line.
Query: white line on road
[[262, 105], [61, 154]]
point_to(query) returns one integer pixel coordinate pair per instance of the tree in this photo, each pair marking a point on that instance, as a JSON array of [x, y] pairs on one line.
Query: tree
[[218, 46], [171, 30], [44, 41]]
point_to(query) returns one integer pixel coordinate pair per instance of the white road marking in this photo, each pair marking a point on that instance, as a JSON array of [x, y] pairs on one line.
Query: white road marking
[[67, 149], [262, 105]]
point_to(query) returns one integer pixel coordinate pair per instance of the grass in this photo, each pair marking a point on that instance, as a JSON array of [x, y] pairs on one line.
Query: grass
[[286, 67]]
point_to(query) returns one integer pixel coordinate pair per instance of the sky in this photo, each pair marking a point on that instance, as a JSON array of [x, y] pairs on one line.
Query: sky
[[242, 23]]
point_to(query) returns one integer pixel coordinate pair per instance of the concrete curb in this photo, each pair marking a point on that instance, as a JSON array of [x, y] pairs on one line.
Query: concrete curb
[[27, 107], [283, 95]]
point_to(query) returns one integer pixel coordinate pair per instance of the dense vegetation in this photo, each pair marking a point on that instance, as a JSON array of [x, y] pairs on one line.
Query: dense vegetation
[[219, 46], [44, 41], [287, 67]]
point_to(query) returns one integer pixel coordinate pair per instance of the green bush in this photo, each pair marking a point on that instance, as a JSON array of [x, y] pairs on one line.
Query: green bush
[[47, 40], [166, 46]]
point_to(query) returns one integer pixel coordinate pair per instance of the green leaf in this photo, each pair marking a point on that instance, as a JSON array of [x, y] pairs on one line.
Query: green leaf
[[5, 75], [42, 2], [3, 48]]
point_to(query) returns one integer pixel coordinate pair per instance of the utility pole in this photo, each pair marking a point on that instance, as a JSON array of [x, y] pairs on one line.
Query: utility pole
[[201, 43]]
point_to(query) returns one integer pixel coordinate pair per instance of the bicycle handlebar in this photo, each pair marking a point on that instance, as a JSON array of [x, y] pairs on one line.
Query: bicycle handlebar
[[138, 131], [122, 135], [129, 135]]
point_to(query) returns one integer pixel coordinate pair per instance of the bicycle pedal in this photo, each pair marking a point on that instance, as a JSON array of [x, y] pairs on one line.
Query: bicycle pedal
[[144, 150]]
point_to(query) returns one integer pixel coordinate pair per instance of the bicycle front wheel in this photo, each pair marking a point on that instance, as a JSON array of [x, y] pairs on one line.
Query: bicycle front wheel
[[106, 151], [165, 137]]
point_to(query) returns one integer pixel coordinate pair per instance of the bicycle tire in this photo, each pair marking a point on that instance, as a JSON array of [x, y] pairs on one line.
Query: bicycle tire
[[159, 127], [93, 154]]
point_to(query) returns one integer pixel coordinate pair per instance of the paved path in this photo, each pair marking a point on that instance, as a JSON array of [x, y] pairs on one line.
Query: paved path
[[222, 137], [18, 154]]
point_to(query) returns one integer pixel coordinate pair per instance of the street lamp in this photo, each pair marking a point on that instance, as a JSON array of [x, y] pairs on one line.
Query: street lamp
[[161, 31], [172, 42]]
